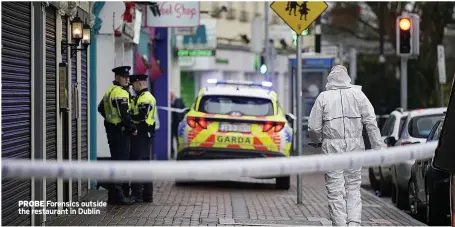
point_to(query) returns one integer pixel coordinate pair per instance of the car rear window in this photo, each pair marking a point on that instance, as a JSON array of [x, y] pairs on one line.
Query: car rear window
[[244, 106], [420, 127]]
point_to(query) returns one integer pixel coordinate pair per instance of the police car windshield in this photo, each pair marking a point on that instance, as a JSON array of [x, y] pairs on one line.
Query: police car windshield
[[244, 106]]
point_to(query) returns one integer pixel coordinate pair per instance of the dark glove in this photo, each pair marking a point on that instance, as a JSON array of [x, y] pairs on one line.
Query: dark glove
[[133, 129]]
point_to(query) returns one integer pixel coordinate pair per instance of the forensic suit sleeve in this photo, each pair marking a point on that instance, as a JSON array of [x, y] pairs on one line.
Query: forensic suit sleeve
[[315, 121], [369, 121], [101, 109], [121, 101]]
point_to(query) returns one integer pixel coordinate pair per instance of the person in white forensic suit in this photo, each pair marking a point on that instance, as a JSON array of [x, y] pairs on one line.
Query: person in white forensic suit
[[336, 120]]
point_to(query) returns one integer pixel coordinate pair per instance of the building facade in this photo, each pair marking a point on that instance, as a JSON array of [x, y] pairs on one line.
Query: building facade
[[145, 49], [227, 49], [44, 100], [113, 48]]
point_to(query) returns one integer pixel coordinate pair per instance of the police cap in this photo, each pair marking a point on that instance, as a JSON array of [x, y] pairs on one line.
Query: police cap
[[138, 77], [122, 70]]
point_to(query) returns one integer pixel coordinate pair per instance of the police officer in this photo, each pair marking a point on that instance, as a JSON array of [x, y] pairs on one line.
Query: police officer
[[119, 126], [144, 111]]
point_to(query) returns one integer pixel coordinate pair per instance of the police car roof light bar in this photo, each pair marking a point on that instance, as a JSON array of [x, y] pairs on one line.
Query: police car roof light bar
[[266, 84], [238, 82], [212, 81]]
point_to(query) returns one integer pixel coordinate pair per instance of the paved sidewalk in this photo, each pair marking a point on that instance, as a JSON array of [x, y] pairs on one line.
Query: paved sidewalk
[[248, 202]]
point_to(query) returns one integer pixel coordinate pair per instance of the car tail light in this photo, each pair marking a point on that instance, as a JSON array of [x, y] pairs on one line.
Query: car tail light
[[193, 122], [203, 123], [267, 126], [277, 126]]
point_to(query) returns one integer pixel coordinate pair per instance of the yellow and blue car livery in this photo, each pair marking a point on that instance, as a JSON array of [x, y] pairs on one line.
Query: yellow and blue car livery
[[233, 119]]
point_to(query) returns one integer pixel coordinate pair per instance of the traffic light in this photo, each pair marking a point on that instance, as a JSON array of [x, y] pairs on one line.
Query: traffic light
[[404, 25], [262, 65], [408, 35]]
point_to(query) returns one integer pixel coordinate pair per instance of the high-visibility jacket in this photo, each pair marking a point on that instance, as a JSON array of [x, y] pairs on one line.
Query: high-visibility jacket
[[144, 109], [115, 106]]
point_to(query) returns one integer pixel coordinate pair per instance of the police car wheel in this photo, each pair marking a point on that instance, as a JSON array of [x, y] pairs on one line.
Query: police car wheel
[[283, 183]]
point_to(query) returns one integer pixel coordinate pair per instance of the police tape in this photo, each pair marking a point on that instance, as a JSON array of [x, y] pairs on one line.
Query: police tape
[[178, 110], [171, 109], [213, 169]]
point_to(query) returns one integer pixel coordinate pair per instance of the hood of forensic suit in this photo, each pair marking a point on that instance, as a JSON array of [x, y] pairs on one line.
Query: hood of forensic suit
[[338, 78]]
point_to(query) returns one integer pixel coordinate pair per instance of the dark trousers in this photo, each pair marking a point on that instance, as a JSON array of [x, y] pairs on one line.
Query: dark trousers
[[119, 147], [141, 150]]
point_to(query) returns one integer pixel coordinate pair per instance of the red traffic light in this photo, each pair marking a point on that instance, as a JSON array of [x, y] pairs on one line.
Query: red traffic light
[[405, 24]]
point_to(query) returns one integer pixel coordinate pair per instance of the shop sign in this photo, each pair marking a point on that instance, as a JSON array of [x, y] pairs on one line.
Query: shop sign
[[184, 31], [131, 28], [174, 14], [195, 53], [222, 61]]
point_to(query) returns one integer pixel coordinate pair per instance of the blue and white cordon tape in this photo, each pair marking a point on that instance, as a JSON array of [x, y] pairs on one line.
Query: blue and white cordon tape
[[171, 109], [212, 170]]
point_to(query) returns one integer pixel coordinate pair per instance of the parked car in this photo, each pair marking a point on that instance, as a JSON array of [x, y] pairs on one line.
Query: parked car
[[428, 188], [380, 177], [416, 129], [444, 155], [237, 120]]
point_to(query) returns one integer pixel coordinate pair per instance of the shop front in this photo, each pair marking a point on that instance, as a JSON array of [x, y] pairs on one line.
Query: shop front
[[116, 42], [44, 85]]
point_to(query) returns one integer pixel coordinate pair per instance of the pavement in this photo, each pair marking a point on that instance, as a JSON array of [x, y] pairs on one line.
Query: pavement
[[246, 202]]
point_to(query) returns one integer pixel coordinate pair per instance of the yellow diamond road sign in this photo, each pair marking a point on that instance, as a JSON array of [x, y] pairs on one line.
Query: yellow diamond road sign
[[298, 15]]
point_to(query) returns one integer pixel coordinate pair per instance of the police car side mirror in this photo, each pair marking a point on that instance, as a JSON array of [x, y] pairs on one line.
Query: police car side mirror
[[390, 141], [290, 118], [185, 111]]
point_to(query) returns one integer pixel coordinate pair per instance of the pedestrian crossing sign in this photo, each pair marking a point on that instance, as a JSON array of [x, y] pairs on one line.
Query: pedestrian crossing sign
[[298, 15]]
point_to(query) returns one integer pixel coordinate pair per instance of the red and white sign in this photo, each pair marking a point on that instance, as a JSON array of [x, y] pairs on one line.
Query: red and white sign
[[174, 14]]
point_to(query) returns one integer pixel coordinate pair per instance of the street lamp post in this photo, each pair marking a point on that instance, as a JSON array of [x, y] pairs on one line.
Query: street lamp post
[[79, 32]]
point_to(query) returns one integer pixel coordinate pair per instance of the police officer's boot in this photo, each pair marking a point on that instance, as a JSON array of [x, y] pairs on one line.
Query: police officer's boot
[[147, 194], [136, 193], [120, 197], [122, 200], [125, 201], [126, 189]]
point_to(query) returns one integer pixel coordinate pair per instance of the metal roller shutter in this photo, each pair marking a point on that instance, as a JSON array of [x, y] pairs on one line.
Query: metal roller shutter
[[84, 108], [65, 36], [51, 98], [74, 121], [65, 124], [16, 104], [84, 115]]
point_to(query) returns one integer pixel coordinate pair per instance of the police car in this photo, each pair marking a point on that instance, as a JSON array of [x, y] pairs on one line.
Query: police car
[[236, 119]]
